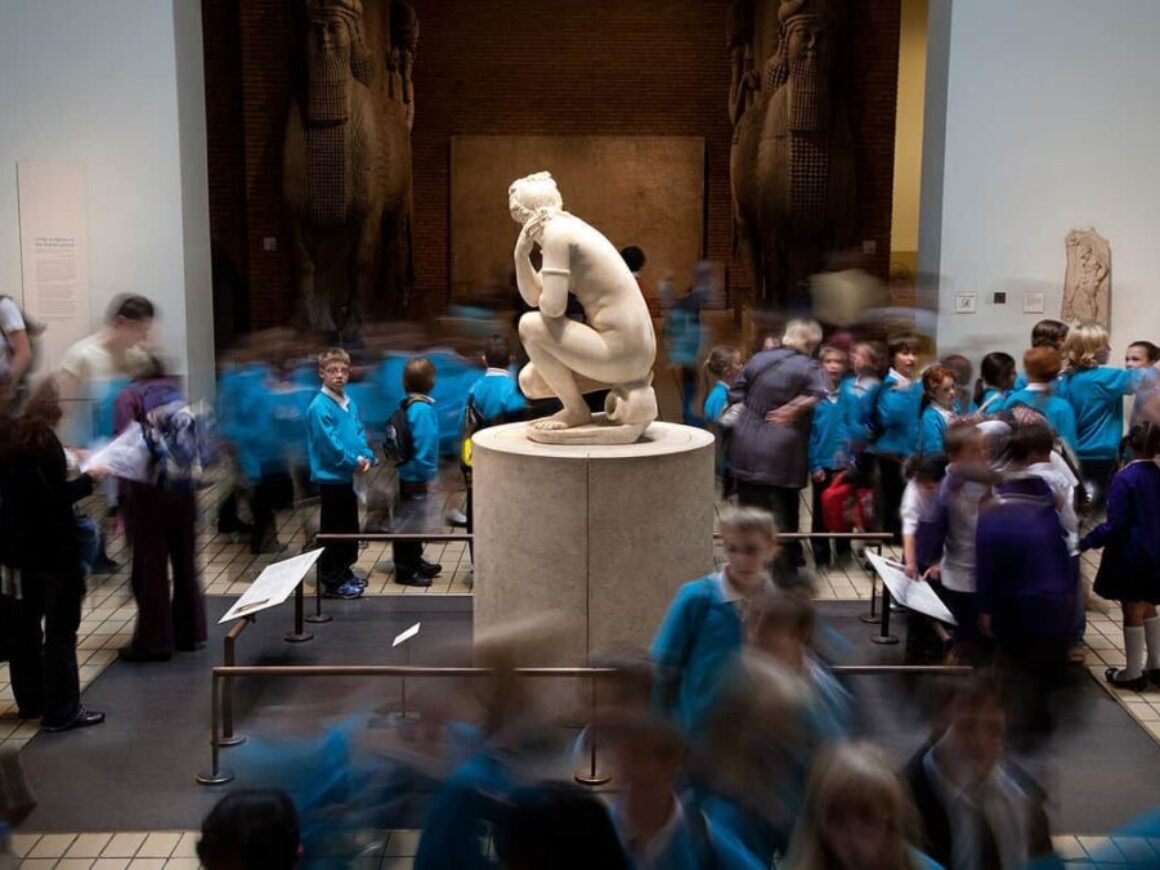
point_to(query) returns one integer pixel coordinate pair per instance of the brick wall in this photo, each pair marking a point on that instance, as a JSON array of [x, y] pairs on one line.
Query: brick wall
[[548, 67]]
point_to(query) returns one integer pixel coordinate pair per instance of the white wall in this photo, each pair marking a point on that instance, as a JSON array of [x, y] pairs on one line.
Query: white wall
[[97, 82], [1051, 123]]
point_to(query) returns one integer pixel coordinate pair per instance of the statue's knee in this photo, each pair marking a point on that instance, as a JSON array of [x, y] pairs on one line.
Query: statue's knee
[[531, 328]]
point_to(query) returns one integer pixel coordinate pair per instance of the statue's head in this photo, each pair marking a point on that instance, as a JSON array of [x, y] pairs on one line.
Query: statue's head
[[531, 194], [335, 42], [809, 28]]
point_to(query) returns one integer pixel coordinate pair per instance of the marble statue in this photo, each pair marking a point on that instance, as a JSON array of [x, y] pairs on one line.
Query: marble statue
[[346, 174], [1087, 284], [613, 349], [792, 161]]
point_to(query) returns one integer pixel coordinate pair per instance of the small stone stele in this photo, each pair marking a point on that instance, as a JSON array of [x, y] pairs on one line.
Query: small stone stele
[[1087, 284]]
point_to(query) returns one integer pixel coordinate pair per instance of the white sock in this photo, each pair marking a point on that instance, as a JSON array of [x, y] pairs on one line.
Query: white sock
[[1152, 639], [1133, 652]]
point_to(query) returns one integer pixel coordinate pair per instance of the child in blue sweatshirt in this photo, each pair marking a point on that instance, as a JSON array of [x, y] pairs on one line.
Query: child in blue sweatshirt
[[1096, 392], [1042, 365], [828, 451], [417, 474], [702, 629], [997, 376], [338, 450], [938, 403], [893, 417]]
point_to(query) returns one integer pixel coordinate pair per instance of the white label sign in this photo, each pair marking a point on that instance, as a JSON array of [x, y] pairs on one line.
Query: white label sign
[[273, 586]]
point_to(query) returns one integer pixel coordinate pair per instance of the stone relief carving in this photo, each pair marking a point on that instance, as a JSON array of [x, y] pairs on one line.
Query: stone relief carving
[[347, 164], [613, 349], [1087, 284], [792, 163]]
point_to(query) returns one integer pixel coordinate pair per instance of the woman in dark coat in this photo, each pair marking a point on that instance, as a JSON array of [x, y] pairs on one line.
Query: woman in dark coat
[[40, 551], [1130, 567], [769, 443]]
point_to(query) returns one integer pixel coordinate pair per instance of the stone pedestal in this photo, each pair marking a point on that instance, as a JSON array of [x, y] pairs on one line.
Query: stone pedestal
[[603, 535]]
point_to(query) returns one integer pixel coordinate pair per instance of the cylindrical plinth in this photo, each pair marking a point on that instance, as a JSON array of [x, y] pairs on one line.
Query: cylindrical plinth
[[602, 535]]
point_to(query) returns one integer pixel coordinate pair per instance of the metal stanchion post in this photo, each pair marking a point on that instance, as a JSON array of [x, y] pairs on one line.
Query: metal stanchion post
[[591, 775], [216, 775], [885, 637], [872, 617], [318, 617], [228, 737], [299, 634]]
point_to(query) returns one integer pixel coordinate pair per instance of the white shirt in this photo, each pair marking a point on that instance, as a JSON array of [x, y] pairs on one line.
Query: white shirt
[[10, 321], [94, 362], [903, 380], [918, 504], [496, 373], [648, 855], [729, 592], [342, 400], [962, 499], [1062, 481]]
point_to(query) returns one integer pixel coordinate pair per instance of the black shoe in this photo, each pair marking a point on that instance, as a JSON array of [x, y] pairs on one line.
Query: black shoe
[[135, 656], [105, 565], [83, 719], [1153, 676], [429, 569], [412, 578], [28, 716], [345, 591], [1137, 685]]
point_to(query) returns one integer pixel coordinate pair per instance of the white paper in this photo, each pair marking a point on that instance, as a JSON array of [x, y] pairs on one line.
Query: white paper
[[126, 456], [915, 595], [273, 586], [406, 635]]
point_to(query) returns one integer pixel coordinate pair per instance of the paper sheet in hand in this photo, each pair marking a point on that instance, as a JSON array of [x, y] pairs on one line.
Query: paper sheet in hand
[[917, 596], [273, 586], [126, 456]]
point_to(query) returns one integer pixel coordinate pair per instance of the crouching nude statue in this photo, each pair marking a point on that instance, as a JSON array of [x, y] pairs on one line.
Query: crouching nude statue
[[614, 349]]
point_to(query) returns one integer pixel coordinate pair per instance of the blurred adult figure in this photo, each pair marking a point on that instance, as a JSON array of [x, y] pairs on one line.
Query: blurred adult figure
[[769, 449], [40, 551], [16, 355]]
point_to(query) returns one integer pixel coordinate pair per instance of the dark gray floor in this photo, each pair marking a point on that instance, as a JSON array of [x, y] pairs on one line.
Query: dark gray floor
[[136, 772]]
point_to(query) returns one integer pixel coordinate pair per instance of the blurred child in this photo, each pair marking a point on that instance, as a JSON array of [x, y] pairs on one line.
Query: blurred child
[[953, 530], [338, 450], [416, 474], [1130, 568], [656, 828], [1045, 333], [964, 372], [702, 629], [722, 366], [976, 809], [997, 373], [857, 815], [1096, 392], [1143, 355], [937, 408], [251, 829], [920, 515], [828, 446], [893, 419], [858, 390], [1042, 366]]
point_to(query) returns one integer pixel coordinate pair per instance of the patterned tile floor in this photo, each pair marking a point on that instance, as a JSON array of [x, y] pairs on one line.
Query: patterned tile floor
[[227, 567]]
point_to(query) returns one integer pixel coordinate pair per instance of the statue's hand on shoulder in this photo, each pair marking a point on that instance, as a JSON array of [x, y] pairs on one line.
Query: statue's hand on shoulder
[[532, 233]]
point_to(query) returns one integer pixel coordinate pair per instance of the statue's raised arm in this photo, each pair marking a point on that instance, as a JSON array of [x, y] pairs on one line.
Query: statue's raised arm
[[614, 349]]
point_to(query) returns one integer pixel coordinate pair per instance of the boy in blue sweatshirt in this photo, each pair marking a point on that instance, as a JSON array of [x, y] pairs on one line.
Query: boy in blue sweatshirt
[[417, 473], [828, 453], [338, 450], [894, 417], [1042, 366]]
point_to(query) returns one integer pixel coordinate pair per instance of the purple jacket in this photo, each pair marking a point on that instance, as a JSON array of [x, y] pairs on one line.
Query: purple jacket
[[1025, 579], [1130, 535]]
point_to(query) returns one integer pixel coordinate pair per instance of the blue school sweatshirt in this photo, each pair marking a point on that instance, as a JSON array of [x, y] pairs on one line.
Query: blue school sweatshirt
[[993, 400], [335, 440], [715, 402], [423, 467], [1097, 397], [932, 433], [898, 414], [1058, 411], [259, 443], [855, 396], [497, 396], [699, 634], [828, 435]]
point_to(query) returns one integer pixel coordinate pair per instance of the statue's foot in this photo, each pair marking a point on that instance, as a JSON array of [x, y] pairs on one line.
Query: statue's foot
[[565, 419]]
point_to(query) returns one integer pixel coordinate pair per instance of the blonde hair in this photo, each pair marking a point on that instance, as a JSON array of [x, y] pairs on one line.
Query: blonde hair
[[804, 336], [748, 520], [1084, 345], [853, 778], [333, 354]]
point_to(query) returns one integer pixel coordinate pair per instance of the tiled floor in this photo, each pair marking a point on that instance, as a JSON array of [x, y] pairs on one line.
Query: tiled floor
[[227, 567]]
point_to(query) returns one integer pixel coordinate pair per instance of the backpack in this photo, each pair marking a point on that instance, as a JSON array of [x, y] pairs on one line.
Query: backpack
[[179, 439], [473, 421], [846, 505], [398, 440]]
